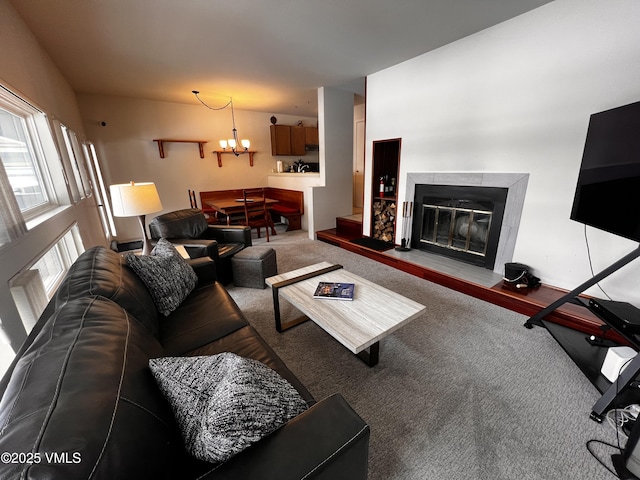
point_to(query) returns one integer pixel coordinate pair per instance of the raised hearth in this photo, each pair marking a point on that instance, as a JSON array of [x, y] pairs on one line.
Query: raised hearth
[[487, 286]]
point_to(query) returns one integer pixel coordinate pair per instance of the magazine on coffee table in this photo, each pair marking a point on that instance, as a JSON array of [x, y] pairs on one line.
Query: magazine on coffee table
[[334, 291]]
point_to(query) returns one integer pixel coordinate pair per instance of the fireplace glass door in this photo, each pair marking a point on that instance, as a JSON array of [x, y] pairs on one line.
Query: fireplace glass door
[[461, 228], [457, 221]]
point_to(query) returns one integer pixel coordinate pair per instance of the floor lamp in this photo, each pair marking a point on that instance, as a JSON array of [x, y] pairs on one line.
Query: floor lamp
[[136, 199]]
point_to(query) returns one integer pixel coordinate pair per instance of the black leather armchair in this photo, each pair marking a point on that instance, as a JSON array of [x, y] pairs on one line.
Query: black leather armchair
[[190, 229]]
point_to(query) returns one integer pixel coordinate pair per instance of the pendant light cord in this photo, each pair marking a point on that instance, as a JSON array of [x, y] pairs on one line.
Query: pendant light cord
[[230, 102], [233, 119]]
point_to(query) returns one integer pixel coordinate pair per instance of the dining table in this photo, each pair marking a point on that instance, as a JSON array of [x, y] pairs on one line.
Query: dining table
[[231, 206]]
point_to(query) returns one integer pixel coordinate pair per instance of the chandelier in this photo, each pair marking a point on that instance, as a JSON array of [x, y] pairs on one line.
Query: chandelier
[[233, 142]]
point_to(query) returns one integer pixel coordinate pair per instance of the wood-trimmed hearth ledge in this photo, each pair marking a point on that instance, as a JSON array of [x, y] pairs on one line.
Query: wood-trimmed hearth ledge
[[527, 303]]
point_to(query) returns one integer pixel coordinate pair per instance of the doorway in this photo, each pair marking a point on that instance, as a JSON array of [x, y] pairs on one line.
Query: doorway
[[358, 167]]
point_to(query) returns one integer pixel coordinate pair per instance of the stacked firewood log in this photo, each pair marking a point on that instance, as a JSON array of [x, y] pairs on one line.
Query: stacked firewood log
[[384, 216]]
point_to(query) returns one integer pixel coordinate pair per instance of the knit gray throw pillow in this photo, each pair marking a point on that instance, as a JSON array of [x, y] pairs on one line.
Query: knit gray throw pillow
[[224, 403], [168, 277]]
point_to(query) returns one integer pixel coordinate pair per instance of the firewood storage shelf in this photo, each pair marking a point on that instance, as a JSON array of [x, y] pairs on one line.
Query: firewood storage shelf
[[384, 205]]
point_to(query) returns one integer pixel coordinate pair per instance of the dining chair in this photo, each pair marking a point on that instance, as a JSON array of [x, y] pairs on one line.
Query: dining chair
[[209, 213], [256, 214], [192, 199]]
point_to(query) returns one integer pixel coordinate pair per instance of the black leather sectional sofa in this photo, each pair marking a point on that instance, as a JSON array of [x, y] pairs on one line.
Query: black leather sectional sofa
[[79, 401]]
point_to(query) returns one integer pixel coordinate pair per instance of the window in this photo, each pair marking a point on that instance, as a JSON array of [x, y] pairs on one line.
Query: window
[[37, 187], [54, 264], [26, 184], [32, 288], [77, 160], [22, 159], [19, 162], [102, 199], [6, 352], [50, 268]]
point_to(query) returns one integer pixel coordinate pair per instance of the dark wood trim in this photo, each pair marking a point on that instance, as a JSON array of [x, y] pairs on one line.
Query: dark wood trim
[[348, 229], [527, 303]]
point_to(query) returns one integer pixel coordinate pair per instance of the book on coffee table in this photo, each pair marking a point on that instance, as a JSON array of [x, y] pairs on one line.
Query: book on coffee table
[[334, 291]]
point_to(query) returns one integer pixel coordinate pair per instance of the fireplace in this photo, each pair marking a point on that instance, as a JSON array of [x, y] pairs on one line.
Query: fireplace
[[515, 184], [462, 222]]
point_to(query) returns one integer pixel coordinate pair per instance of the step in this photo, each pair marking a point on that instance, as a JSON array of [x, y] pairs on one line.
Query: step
[[528, 303], [349, 227]]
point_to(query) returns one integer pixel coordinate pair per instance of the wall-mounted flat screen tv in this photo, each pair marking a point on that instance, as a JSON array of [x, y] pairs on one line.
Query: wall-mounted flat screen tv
[[608, 192]]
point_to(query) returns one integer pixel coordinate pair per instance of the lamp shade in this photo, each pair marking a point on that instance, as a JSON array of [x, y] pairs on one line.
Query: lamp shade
[[133, 199]]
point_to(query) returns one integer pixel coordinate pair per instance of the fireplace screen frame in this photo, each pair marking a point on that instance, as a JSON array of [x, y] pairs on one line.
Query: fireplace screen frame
[[430, 194], [455, 230]]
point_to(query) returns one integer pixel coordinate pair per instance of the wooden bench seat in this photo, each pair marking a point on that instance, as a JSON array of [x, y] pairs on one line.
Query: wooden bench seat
[[283, 209], [290, 205]]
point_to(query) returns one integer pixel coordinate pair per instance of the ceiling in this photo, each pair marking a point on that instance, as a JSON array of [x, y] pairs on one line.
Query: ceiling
[[269, 55]]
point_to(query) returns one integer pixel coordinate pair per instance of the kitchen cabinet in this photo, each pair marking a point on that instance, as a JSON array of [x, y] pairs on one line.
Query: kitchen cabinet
[[298, 141], [280, 140], [292, 140], [311, 136]]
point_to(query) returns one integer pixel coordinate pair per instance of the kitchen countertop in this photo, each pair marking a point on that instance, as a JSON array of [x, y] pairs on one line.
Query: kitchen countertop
[[289, 174]]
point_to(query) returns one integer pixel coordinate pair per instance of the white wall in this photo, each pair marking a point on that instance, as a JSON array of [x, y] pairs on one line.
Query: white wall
[[302, 182], [335, 123], [517, 98], [27, 68], [128, 151]]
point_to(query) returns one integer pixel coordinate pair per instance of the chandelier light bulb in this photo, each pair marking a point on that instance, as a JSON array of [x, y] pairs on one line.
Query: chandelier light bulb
[[232, 143], [223, 144], [245, 143]]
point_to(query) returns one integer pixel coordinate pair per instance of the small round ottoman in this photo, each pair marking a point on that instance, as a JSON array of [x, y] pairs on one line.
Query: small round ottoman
[[252, 265]]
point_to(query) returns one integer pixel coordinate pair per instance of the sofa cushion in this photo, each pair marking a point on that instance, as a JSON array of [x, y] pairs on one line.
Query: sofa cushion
[[209, 313], [84, 387], [224, 403], [186, 223], [168, 277], [100, 271], [248, 343]]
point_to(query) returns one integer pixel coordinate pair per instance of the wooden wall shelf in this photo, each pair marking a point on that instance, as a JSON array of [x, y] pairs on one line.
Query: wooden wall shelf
[[162, 141], [219, 153]]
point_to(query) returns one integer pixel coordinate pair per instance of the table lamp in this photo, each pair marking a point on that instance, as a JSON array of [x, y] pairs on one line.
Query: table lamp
[[136, 199]]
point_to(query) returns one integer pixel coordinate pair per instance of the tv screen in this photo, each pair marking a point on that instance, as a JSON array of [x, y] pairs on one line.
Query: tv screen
[[608, 191]]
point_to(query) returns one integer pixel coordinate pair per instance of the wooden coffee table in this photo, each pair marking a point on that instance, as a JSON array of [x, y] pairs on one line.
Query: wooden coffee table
[[360, 324]]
